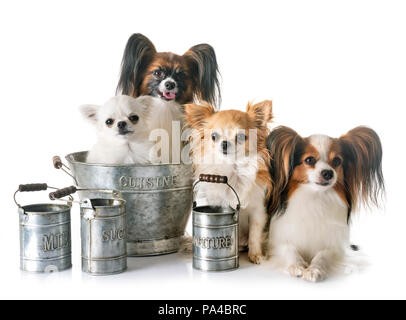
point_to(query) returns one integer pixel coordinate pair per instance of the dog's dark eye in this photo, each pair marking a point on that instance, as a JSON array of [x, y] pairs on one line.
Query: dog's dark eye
[[179, 74], [241, 137], [311, 161], [158, 73], [336, 161], [134, 118], [109, 121], [215, 136]]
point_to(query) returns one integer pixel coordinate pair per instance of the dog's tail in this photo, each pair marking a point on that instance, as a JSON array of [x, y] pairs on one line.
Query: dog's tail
[[354, 260], [354, 247]]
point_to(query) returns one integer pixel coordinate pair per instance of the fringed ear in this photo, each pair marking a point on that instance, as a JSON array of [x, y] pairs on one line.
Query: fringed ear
[[196, 115], [261, 113], [362, 151], [206, 73], [138, 53], [89, 112], [285, 146]]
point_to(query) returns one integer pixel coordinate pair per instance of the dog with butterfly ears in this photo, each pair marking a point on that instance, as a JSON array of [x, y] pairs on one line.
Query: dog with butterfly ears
[[319, 182]]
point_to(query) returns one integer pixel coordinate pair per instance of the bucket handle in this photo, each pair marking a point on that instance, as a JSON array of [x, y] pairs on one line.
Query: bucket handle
[[58, 164], [68, 191], [60, 193], [31, 187], [212, 178]]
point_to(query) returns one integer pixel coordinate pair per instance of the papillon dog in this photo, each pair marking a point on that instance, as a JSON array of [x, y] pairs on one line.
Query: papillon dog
[[124, 125], [318, 182], [169, 76], [233, 143]]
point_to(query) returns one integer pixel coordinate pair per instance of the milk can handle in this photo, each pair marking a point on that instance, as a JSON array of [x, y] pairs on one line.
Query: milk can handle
[[68, 191], [212, 178], [31, 187], [60, 193]]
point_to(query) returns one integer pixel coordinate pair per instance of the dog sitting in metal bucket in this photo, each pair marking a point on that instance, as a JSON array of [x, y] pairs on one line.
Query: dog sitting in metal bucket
[[233, 143], [127, 128]]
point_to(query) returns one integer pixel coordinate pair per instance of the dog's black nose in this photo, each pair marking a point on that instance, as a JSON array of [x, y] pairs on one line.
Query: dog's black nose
[[225, 145], [169, 85], [122, 125], [327, 174]]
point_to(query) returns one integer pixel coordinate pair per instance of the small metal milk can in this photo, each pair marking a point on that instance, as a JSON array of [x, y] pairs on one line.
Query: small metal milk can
[[215, 233], [45, 233], [103, 232]]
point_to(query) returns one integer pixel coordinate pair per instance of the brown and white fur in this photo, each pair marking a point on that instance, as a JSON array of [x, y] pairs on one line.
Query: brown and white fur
[[318, 182], [169, 76], [233, 143]]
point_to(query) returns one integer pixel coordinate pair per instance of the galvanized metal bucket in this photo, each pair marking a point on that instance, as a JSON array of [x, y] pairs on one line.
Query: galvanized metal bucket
[[45, 234], [215, 233], [158, 199], [103, 232]]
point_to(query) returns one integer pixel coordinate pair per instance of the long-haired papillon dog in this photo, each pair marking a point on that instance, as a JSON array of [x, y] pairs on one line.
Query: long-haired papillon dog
[[172, 77], [233, 143], [318, 182]]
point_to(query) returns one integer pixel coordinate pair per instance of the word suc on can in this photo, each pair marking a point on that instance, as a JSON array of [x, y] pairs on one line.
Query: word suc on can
[[114, 234]]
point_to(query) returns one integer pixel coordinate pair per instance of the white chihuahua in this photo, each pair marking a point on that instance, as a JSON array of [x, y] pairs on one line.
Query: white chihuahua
[[124, 125]]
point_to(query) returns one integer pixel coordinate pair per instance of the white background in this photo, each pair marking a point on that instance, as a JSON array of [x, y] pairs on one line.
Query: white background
[[328, 66]]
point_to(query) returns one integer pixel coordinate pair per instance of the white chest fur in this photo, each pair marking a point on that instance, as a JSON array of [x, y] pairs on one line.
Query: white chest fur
[[313, 221]]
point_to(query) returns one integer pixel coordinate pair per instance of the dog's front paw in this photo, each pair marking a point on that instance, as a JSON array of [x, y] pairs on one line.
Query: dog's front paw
[[297, 270], [314, 274], [255, 257]]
